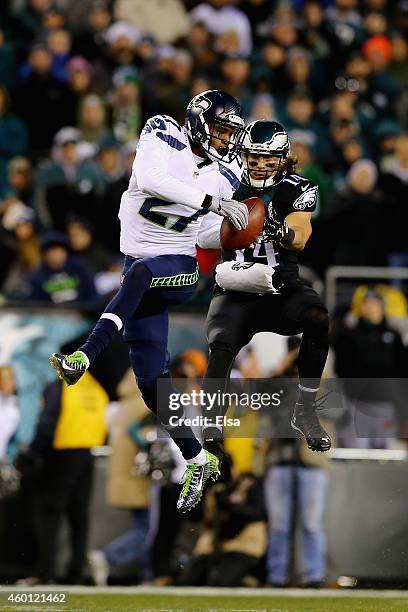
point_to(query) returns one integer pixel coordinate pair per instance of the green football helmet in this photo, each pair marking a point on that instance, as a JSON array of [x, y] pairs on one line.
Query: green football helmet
[[267, 139]]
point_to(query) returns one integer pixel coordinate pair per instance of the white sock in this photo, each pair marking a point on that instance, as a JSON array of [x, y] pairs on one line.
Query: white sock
[[199, 459]]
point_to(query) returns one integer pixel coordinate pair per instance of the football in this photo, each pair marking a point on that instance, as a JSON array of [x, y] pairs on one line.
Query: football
[[233, 239]]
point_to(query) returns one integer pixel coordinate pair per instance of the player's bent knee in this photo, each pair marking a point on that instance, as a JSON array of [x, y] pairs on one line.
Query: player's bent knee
[[138, 273]]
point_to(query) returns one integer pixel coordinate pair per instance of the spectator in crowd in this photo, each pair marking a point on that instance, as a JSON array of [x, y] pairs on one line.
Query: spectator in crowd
[[13, 135], [165, 20], [262, 107], [8, 61], [80, 81], [122, 39], [48, 96], [294, 474], [355, 219], [227, 23], [60, 458], [235, 71], [233, 539], [53, 19], [89, 41], [107, 223], [386, 135], [300, 116], [370, 358], [68, 182], [29, 16], [384, 88], [84, 245], [78, 13], [9, 412], [126, 116], [60, 278], [125, 489], [394, 183], [93, 121], [201, 48], [308, 166], [59, 44], [23, 240], [20, 180], [110, 159]]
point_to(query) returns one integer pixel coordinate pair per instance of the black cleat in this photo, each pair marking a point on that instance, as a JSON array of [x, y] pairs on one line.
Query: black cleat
[[306, 422], [216, 447], [69, 368]]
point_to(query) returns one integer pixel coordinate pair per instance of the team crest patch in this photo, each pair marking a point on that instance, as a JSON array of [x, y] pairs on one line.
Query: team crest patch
[[306, 199]]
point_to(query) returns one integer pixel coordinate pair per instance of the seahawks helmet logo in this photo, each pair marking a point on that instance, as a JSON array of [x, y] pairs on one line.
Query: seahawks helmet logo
[[203, 104]]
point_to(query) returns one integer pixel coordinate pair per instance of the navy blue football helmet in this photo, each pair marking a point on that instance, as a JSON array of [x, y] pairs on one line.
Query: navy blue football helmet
[[208, 110]]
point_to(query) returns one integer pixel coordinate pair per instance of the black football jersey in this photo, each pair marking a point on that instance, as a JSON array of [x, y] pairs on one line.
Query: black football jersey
[[293, 194]]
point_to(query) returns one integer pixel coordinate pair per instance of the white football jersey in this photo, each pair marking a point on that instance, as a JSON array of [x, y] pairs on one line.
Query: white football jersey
[[161, 212]]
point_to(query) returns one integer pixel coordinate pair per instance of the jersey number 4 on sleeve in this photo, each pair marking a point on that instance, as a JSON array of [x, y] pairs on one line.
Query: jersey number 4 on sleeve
[[161, 219]]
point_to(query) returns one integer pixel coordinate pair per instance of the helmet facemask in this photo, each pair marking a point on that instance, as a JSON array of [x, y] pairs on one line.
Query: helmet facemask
[[230, 144], [264, 153], [269, 173]]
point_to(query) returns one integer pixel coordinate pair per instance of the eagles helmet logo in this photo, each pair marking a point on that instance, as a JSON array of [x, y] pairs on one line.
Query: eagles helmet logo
[[306, 199]]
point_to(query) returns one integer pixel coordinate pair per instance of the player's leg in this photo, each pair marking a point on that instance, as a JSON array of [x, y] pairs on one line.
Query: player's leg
[[229, 328], [136, 281], [147, 336], [302, 311], [311, 361]]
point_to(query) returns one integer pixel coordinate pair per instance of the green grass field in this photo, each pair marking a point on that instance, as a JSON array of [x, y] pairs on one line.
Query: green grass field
[[218, 600], [227, 604]]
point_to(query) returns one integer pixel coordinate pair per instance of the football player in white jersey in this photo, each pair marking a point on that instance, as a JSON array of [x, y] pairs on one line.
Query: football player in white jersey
[[180, 174]]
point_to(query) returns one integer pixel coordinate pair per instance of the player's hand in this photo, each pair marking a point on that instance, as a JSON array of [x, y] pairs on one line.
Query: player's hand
[[235, 211], [274, 231]]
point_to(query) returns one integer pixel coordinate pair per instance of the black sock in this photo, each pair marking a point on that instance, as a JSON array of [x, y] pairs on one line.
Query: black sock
[[312, 353]]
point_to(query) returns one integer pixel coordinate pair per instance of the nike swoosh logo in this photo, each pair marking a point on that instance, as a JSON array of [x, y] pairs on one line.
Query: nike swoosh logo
[[304, 188]]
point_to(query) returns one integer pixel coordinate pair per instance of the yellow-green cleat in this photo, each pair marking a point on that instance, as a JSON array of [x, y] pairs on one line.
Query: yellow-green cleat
[[194, 480], [70, 368]]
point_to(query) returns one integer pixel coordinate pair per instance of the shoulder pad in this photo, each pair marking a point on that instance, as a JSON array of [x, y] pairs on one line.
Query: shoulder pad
[[164, 123]]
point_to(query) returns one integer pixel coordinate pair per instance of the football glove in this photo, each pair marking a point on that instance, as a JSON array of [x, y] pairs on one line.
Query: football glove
[[235, 211], [274, 231]]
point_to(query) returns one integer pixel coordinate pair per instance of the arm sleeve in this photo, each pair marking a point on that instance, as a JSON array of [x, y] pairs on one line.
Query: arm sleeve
[[209, 232], [152, 175]]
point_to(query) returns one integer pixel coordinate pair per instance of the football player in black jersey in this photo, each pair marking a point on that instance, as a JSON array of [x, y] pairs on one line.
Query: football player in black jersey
[[235, 317]]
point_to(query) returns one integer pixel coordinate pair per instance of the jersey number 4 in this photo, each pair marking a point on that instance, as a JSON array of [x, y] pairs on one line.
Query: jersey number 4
[[161, 219]]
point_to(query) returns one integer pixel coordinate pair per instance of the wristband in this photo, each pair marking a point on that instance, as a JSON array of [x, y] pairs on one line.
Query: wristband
[[288, 236]]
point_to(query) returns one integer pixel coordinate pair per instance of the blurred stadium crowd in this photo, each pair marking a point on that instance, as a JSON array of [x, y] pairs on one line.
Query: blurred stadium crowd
[[77, 82]]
